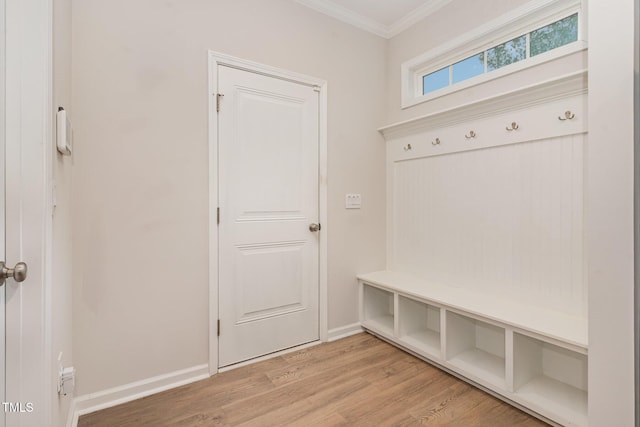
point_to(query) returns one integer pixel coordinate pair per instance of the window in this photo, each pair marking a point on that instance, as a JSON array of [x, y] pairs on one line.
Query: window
[[507, 53], [541, 40], [554, 35], [468, 68], [436, 80], [531, 34]]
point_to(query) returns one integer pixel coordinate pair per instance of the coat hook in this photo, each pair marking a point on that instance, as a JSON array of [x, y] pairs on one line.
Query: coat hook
[[407, 147], [436, 142], [514, 126], [472, 134], [568, 115]]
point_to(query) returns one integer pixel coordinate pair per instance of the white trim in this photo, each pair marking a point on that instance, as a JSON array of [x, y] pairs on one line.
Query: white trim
[[50, 352], [213, 223], [216, 59], [528, 96], [415, 16], [512, 24], [350, 17], [72, 416], [347, 15], [93, 402], [345, 331], [323, 194], [551, 55]]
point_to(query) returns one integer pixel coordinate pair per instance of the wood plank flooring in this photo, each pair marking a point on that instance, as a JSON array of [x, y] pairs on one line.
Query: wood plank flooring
[[357, 381]]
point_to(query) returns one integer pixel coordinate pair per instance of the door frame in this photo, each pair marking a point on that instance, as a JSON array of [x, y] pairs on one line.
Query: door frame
[[29, 207], [217, 59]]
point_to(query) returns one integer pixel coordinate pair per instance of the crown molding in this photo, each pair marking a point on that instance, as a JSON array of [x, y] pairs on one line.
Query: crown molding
[[415, 16], [348, 16]]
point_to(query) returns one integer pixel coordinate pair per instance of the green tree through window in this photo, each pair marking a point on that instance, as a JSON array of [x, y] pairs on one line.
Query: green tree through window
[[507, 53], [554, 35], [542, 40]]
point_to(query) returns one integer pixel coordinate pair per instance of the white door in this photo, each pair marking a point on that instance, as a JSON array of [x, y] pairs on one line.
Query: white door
[[25, 160], [268, 198], [2, 239]]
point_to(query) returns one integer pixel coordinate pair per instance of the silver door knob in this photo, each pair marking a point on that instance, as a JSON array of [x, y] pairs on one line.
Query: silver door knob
[[314, 227], [19, 272]]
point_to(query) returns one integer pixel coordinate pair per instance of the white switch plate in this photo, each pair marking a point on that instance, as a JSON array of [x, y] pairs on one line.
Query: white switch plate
[[353, 201]]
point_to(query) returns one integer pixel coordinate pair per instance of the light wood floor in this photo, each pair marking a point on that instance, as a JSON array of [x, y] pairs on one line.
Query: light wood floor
[[357, 381]]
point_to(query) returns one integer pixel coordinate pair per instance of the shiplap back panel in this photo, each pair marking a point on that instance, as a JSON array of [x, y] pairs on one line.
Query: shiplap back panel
[[505, 220]]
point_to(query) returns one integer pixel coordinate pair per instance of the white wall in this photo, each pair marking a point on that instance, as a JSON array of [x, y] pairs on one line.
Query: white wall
[[610, 214], [447, 23], [61, 258], [140, 174]]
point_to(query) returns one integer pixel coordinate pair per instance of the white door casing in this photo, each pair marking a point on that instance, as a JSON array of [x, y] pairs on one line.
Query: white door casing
[[268, 176]]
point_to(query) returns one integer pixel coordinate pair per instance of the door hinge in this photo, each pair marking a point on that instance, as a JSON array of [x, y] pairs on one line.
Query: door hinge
[[218, 327], [218, 215], [218, 97], [316, 88]]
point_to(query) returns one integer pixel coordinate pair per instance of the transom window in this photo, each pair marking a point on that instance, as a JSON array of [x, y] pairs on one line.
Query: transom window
[[532, 34], [536, 42]]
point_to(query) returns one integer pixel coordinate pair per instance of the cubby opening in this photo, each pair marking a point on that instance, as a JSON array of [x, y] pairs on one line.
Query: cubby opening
[[419, 325], [551, 378], [378, 310], [477, 347]]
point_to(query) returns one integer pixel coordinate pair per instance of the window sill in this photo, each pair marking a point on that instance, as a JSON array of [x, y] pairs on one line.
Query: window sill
[[524, 97], [578, 46]]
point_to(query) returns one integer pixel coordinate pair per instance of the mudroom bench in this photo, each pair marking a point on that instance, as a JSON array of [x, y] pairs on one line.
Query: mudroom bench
[[531, 356]]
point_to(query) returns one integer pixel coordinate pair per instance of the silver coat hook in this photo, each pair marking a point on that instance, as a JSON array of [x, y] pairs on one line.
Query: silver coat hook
[[568, 115], [514, 126], [407, 147], [436, 142], [472, 134]]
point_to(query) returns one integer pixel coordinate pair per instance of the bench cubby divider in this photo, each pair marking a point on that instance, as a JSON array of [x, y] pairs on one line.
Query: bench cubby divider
[[543, 371]]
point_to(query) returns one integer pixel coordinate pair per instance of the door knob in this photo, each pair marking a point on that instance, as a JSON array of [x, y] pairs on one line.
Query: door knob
[[19, 272], [314, 227]]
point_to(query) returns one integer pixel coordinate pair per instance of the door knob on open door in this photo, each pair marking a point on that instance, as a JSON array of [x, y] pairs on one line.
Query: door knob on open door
[[314, 227], [19, 272]]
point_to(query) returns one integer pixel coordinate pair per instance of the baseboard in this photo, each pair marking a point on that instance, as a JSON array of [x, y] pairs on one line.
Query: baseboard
[[344, 331], [92, 402], [72, 415]]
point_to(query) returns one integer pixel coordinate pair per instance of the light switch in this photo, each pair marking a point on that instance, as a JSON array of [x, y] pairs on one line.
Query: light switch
[[353, 201]]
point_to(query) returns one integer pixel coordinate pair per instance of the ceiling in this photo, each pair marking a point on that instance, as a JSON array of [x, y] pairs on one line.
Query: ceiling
[[385, 18]]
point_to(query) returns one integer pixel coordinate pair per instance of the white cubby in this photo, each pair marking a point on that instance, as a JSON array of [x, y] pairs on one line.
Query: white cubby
[[476, 347], [533, 357], [378, 308], [551, 379], [419, 325]]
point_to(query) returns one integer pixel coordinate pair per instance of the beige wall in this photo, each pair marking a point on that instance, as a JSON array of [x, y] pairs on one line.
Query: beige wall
[[62, 218], [446, 24], [140, 174]]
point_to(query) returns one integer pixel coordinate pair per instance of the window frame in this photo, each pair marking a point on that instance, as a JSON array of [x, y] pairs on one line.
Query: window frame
[[519, 22]]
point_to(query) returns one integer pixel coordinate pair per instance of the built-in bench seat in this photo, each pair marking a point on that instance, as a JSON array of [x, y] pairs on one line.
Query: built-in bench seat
[[531, 356], [549, 323]]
